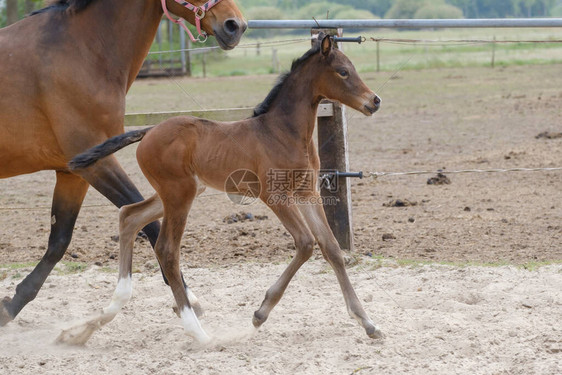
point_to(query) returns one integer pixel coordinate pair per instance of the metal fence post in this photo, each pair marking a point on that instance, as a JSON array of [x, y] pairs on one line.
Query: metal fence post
[[332, 149]]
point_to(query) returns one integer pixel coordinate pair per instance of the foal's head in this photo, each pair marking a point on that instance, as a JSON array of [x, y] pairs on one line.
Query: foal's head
[[224, 20], [337, 79]]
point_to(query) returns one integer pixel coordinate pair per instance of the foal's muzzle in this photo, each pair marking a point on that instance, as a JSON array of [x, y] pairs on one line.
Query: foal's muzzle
[[372, 105]]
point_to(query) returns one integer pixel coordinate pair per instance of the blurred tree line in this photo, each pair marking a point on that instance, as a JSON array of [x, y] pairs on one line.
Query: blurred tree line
[[12, 10], [295, 9], [408, 9]]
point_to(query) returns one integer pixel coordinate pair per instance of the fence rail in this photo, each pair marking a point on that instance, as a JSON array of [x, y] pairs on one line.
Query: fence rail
[[405, 23], [153, 118]]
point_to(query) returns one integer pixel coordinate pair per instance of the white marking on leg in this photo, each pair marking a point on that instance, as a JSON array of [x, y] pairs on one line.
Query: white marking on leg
[[194, 302], [191, 297], [192, 325], [121, 296]]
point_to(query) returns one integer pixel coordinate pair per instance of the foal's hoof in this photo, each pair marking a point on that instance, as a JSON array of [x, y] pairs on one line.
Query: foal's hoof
[[80, 334], [258, 320], [5, 316], [374, 332]]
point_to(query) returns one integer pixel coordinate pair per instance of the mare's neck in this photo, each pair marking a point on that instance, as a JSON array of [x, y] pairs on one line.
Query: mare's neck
[[121, 33]]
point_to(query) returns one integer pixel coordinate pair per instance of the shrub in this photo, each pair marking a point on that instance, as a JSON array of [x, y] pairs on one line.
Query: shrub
[[556, 11], [263, 13], [438, 11], [321, 10], [356, 14], [404, 9]]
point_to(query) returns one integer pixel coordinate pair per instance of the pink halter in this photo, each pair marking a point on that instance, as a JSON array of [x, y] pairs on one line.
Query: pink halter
[[199, 15]]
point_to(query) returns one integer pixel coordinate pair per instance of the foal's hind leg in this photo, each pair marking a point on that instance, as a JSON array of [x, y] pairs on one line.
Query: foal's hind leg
[[108, 178], [316, 219], [304, 242], [131, 219], [177, 196], [67, 200]]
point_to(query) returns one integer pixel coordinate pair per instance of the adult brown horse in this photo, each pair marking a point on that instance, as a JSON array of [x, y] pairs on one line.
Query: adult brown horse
[[64, 74], [181, 152]]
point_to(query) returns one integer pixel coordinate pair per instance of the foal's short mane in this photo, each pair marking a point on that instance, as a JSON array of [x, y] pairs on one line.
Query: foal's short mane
[[264, 106], [72, 5]]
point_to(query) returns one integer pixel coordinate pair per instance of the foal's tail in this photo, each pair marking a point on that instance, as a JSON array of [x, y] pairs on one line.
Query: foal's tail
[[106, 148]]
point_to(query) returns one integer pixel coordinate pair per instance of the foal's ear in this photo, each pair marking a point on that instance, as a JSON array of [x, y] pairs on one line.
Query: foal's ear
[[326, 45]]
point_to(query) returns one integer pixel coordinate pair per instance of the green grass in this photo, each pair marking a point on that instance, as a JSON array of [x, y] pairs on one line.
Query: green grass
[[182, 93], [242, 78], [379, 261], [392, 55], [16, 270], [17, 266], [69, 268]]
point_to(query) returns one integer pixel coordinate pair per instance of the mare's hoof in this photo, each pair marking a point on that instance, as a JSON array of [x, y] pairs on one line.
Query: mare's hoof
[[5, 316], [374, 333]]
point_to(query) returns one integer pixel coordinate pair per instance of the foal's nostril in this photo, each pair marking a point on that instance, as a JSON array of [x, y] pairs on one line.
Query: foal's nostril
[[377, 100], [232, 26]]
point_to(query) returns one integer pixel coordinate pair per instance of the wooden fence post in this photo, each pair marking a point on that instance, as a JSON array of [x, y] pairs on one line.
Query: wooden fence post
[[332, 149]]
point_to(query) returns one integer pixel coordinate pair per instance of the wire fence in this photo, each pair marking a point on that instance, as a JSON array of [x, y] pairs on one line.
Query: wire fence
[[442, 171], [375, 175], [407, 41], [460, 41], [201, 65]]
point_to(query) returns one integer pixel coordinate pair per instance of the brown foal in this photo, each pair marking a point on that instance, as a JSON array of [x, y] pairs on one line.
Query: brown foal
[[181, 154], [64, 75]]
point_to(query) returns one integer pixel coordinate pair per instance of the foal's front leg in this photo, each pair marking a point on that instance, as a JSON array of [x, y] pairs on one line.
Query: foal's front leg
[[304, 242], [318, 224]]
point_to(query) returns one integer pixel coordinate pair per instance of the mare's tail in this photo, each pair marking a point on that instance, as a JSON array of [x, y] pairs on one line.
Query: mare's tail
[[106, 148]]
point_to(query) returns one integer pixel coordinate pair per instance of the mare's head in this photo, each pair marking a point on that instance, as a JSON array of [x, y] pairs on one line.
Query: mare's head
[[337, 79], [223, 19]]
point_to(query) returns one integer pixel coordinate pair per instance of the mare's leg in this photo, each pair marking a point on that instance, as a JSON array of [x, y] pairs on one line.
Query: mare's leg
[[107, 177], [177, 196], [304, 242], [318, 224], [67, 199], [131, 219]]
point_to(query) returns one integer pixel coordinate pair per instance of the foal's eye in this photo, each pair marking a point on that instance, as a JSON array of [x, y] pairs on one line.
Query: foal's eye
[[343, 73]]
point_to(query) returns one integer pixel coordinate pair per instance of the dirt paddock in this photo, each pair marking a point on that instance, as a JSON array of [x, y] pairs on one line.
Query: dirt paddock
[[467, 278]]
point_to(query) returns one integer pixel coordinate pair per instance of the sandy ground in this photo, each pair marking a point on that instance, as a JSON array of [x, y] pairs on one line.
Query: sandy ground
[[437, 319], [463, 317]]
